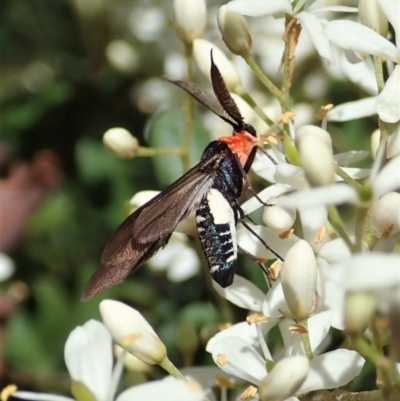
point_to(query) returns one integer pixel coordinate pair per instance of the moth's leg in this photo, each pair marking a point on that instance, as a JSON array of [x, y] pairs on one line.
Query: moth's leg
[[262, 150], [242, 219], [258, 261], [246, 178]]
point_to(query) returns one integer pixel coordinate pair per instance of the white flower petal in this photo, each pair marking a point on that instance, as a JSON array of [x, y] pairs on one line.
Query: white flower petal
[[318, 326], [168, 389], [242, 359], [247, 332], [367, 271], [313, 197], [314, 27], [251, 244], [353, 110], [332, 298], [201, 54], [316, 8], [259, 8], [356, 173], [350, 157], [27, 395], [271, 192], [205, 375], [275, 301], [291, 341], [388, 103], [387, 179], [332, 370], [354, 36], [392, 13], [88, 356], [290, 175], [264, 167], [361, 73], [311, 221], [334, 250], [242, 293]]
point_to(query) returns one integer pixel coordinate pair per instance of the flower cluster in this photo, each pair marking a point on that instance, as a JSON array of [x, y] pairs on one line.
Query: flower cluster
[[335, 225]]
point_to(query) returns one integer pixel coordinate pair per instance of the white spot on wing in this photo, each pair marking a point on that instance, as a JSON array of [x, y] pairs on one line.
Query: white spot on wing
[[222, 213], [214, 268]]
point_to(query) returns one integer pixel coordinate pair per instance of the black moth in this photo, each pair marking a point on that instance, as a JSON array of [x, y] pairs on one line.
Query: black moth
[[211, 189]]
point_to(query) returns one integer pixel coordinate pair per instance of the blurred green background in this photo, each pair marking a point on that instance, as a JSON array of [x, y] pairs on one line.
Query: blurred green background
[[61, 88]]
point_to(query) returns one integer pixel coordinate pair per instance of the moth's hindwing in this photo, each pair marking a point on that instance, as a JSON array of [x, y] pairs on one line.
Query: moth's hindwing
[[216, 223]]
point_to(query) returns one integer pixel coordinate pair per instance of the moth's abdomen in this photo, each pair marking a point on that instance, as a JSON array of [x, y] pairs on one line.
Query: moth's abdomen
[[215, 220]]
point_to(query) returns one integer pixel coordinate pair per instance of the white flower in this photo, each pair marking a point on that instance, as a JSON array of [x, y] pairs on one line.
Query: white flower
[[299, 279], [285, 378], [235, 31], [85, 363], [89, 359], [7, 267], [121, 142], [190, 18], [132, 332], [308, 13], [239, 356], [356, 37], [386, 180], [178, 258], [201, 54]]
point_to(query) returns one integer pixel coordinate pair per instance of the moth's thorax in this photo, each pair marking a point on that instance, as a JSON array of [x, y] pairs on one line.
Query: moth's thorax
[[241, 143]]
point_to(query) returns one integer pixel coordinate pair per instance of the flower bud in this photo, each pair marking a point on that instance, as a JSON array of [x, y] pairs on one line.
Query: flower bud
[[359, 308], [234, 31], [299, 279], [316, 155], [132, 332], [383, 219], [121, 142], [372, 16], [278, 218], [285, 379], [201, 54], [190, 18], [122, 56], [374, 142]]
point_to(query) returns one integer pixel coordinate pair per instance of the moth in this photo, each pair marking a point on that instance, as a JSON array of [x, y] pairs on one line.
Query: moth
[[211, 189]]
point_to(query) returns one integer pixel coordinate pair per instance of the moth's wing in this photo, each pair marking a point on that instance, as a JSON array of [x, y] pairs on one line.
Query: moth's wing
[[149, 228], [206, 99]]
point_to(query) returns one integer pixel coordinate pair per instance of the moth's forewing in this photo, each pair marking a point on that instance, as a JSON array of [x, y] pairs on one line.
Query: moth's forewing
[[149, 228]]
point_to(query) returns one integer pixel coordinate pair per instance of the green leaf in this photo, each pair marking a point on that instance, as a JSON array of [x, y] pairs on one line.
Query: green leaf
[[166, 131]]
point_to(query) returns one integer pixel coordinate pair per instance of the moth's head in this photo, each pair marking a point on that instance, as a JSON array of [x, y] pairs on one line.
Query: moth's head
[[246, 131]]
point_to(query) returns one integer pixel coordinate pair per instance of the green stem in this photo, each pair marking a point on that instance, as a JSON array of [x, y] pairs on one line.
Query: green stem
[[305, 338], [261, 76], [150, 152], [168, 366], [185, 155], [379, 73], [246, 96], [372, 242], [337, 224], [361, 214], [342, 174]]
